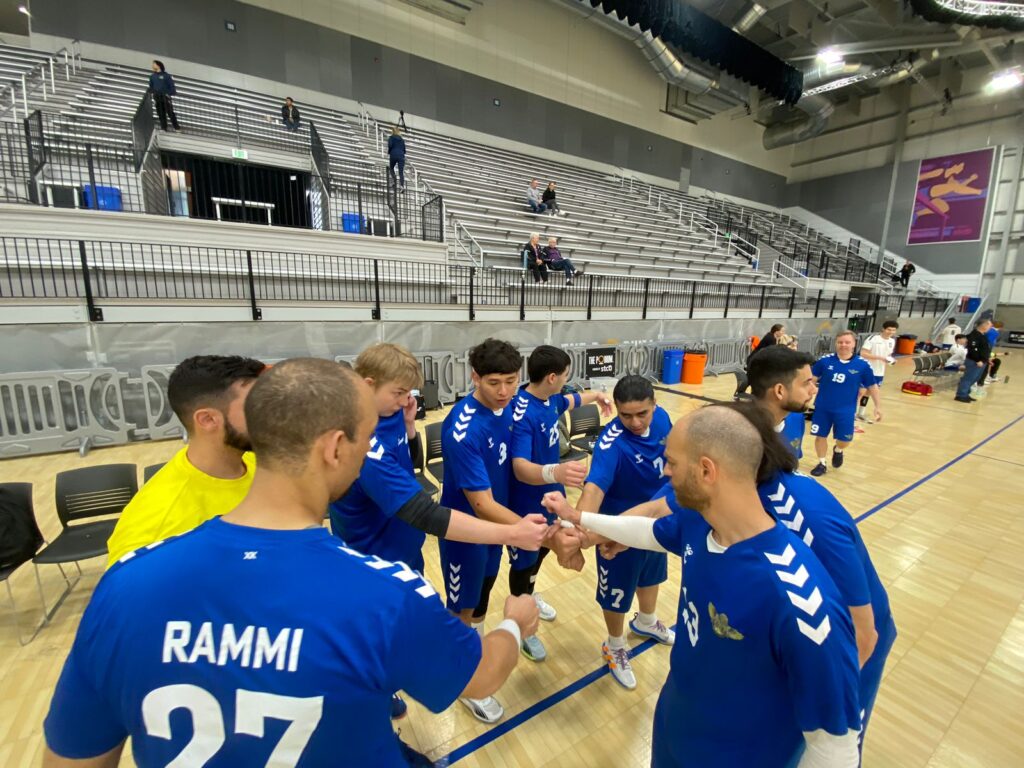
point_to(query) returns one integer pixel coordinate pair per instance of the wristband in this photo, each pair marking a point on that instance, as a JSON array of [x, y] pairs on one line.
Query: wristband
[[508, 625], [577, 400], [547, 473]]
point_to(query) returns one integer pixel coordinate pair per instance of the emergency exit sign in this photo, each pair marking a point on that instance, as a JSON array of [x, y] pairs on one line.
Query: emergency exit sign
[[240, 154]]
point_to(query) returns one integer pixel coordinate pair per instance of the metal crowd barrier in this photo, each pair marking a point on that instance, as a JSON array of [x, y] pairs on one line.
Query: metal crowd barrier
[[49, 411]]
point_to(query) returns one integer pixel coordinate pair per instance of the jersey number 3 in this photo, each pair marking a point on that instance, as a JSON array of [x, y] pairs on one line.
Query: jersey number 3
[[502, 453], [252, 708]]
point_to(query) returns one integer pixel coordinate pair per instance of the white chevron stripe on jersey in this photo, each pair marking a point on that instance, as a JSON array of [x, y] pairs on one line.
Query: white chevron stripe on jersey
[[808, 605], [816, 634], [785, 509], [797, 579], [375, 453], [784, 559], [779, 493], [794, 520]]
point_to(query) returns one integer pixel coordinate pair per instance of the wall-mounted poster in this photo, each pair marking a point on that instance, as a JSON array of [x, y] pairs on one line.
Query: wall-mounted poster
[[952, 194]]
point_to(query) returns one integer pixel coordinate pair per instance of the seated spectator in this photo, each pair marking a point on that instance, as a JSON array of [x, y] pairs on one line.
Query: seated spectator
[[556, 262], [533, 259], [958, 355], [548, 198], [290, 115], [533, 198]]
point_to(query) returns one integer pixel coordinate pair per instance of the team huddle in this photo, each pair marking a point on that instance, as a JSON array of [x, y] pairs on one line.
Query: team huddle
[[234, 628]]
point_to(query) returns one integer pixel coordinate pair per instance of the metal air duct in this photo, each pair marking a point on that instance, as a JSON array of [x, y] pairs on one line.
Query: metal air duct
[[818, 109]]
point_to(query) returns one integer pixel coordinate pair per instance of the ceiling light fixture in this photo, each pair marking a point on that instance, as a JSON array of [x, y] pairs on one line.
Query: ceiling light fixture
[[1003, 81], [24, 9], [830, 56]]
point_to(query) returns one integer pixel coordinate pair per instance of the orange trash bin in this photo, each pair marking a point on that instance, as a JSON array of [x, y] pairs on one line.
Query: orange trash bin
[[905, 346], [693, 367]]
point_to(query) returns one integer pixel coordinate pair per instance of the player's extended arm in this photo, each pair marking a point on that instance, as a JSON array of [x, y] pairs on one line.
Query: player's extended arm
[[569, 473], [427, 515], [500, 647], [486, 508], [601, 398], [864, 628], [107, 760]]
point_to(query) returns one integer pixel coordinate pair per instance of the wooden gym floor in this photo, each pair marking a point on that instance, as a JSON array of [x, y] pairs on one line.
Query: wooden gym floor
[[939, 487]]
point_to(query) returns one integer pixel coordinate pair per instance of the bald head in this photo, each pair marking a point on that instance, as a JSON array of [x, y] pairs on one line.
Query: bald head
[[297, 402]]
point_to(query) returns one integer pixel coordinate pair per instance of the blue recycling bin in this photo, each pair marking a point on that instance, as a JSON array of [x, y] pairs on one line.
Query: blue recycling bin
[[672, 366], [350, 222], [973, 303], [107, 198]]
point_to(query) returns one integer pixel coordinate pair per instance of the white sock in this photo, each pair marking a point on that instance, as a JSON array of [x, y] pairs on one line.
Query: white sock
[[837, 450], [822, 461], [646, 619], [617, 642]]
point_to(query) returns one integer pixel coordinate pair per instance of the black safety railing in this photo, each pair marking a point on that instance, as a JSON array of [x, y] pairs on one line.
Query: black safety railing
[[15, 173], [432, 219], [143, 125], [99, 271]]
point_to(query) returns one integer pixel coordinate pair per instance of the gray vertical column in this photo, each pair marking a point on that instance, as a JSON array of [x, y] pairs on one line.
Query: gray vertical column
[[1004, 241], [897, 158]]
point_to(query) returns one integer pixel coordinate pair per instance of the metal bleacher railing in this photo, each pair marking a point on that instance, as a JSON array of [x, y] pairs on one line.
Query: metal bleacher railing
[[95, 272]]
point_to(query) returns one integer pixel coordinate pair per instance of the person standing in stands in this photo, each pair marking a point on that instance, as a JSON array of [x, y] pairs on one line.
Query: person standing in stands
[[556, 262], [548, 198], [534, 198], [161, 85], [396, 156], [905, 272], [976, 364], [290, 115], [533, 258]]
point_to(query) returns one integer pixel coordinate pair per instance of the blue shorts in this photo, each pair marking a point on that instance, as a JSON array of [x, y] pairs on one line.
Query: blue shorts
[[879, 380], [465, 566], [871, 674], [839, 423], [619, 578]]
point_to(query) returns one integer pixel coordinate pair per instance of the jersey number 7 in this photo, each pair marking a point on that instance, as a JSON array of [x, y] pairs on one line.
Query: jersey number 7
[[252, 708]]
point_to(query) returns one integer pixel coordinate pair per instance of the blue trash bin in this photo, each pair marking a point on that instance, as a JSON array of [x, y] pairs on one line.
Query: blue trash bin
[[672, 366], [107, 198], [973, 303], [350, 222]]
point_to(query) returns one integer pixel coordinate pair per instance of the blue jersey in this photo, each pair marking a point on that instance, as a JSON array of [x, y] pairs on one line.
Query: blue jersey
[[535, 438], [628, 467], [365, 516], [792, 433], [768, 651], [223, 647], [475, 444], [807, 508], [839, 382]]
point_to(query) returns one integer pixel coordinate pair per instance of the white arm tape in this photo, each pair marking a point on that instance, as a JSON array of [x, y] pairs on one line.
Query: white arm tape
[[507, 625], [635, 532], [547, 473], [827, 751]]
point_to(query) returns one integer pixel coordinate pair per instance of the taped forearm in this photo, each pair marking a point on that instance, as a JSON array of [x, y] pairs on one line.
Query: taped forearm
[[635, 532]]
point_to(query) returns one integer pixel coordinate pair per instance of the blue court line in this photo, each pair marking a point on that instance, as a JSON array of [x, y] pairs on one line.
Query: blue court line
[[530, 712], [938, 471], [558, 696]]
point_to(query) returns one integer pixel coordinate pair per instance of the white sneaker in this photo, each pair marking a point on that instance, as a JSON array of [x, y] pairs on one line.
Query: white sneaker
[[547, 613], [485, 710], [618, 663], [656, 631], [992, 380]]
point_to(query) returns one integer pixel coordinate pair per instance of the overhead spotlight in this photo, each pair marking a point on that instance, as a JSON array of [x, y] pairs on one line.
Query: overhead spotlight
[[830, 56], [24, 9], [1004, 81]]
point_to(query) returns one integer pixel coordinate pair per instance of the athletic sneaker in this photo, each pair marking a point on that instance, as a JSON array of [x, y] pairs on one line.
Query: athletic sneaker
[[837, 458], [857, 430], [547, 613], [657, 631], [533, 648], [485, 710], [398, 707], [618, 663], [861, 416], [992, 380], [819, 469]]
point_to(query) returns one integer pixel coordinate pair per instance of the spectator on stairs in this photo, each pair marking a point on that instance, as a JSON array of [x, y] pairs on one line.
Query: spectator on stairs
[[161, 85], [548, 199], [533, 259], [556, 262], [534, 198], [290, 115], [905, 272], [396, 156]]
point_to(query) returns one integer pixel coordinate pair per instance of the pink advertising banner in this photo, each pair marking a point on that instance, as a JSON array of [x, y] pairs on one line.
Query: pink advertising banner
[[951, 198]]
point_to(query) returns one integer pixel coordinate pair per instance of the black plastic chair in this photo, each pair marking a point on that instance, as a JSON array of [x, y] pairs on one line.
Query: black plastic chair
[[83, 494], [434, 460], [418, 470], [574, 454], [19, 501], [585, 427], [151, 470]]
